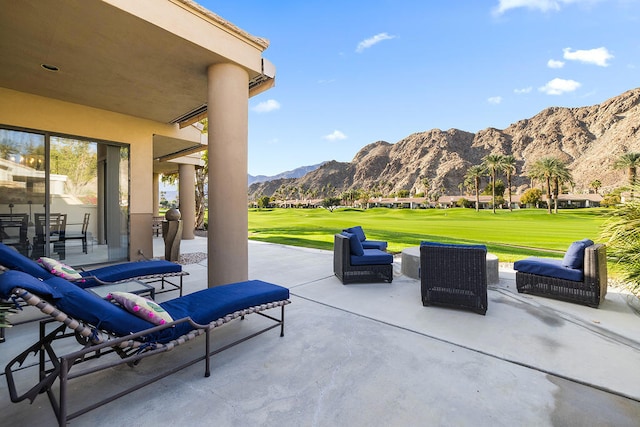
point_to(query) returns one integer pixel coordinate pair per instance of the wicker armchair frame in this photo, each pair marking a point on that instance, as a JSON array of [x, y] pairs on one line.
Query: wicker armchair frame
[[591, 291], [454, 276], [348, 273]]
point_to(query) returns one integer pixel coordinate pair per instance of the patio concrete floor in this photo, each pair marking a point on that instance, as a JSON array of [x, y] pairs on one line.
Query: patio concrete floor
[[372, 355]]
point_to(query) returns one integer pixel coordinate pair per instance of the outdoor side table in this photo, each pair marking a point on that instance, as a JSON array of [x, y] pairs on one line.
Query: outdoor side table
[[132, 286]]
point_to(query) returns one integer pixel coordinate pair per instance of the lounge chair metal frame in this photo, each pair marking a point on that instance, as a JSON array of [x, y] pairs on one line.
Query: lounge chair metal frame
[[96, 344]]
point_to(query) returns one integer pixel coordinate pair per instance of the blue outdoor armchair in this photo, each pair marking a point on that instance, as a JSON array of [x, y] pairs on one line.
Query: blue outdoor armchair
[[580, 277]]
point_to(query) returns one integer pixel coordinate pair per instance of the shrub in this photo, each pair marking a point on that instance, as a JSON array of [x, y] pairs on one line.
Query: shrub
[[621, 232]]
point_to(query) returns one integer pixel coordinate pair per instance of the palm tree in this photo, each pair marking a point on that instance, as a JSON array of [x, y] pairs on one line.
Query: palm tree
[[474, 175], [509, 168], [493, 163], [629, 161], [561, 175], [544, 169], [595, 184]]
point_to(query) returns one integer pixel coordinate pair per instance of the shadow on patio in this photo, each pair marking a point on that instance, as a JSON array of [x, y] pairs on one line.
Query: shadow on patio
[[372, 355]]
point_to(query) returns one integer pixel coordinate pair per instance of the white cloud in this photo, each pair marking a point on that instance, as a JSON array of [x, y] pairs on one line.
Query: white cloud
[[367, 43], [267, 106], [494, 100], [541, 5], [598, 56], [559, 86], [523, 90], [552, 63], [335, 136]]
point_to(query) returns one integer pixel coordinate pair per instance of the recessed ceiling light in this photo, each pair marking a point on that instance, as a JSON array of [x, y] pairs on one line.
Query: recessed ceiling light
[[50, 67]]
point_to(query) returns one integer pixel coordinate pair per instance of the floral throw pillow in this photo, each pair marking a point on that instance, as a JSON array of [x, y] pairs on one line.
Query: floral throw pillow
[[59, 269], [141, 307]]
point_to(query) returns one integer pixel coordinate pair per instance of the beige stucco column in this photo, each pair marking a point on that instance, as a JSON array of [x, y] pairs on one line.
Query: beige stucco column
[[228, 101], [156, 194], [187, 189]]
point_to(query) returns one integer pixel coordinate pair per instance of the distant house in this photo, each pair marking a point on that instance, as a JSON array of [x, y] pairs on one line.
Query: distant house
[[578, 200]]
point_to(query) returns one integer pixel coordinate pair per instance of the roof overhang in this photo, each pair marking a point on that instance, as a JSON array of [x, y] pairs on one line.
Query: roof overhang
[[143, 58]]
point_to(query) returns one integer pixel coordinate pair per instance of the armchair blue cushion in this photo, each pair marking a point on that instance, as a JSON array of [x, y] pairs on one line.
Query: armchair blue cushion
[[354, 244], [548, 267], [574, 257], [372, 257]]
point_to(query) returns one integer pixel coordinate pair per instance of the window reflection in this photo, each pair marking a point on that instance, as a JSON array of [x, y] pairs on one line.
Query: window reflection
[[87, 201]]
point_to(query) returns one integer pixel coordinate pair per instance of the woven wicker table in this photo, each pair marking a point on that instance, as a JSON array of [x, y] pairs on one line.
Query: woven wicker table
[[410, 266]]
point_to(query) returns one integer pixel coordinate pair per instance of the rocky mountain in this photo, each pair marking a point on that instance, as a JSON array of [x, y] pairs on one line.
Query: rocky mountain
[[587, 139], [296, 173]]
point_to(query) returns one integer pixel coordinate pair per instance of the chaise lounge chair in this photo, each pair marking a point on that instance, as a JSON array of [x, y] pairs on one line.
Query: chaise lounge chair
[[149, 271], [104, 329]]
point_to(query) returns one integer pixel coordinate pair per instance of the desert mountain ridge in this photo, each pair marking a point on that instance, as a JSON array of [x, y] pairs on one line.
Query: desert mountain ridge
[[295, 173], [588, 139]]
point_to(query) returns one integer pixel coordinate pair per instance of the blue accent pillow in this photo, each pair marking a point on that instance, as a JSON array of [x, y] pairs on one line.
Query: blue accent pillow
[[574, 257], [358, 231], [355, 245]]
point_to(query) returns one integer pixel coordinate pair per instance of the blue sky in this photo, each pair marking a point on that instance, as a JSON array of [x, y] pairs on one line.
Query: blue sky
[[349, 73]]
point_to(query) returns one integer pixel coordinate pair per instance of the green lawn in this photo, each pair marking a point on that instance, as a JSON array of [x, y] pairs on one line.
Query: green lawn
[[509, 235]]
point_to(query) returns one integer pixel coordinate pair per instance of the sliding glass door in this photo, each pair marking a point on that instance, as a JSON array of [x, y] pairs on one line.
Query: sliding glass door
[[64, 197]]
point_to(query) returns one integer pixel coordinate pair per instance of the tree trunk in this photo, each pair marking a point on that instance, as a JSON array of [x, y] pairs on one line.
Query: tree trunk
[[549, 195]]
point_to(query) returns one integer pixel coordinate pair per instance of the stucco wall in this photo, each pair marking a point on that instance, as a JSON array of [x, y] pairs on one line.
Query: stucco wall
[[46, 114]]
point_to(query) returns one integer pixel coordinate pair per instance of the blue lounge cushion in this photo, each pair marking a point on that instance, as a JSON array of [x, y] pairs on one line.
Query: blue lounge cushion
[[75, 302], [203, 306], [372, 257], [117, 272], [574, 257], [453, 245], [548, 267], [355, 246], [14, 278], [211, 304], [14, 260]]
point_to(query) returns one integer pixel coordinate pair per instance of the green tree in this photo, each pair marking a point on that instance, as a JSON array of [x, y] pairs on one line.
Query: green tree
[[263, 202], [493, 163], [629, 161], [403, 193], [202, 176], [474, 177], [532, 197], [78, 161], [330, 203], [595, 184], [561, 175], [544, 169], [509, 168]]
